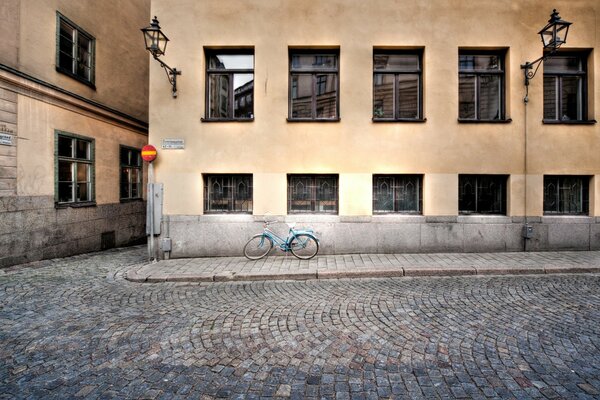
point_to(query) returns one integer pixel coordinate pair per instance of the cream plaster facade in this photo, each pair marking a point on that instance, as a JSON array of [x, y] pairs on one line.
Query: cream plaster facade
[[355, 148], [37, 101]]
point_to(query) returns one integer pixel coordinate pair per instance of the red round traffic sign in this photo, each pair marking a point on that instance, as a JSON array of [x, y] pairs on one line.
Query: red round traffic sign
[[148, 153]]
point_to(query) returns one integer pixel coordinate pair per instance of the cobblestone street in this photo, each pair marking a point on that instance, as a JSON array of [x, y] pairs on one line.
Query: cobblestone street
[[75, 328]]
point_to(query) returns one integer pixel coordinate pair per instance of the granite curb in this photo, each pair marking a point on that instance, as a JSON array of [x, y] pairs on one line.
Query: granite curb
[[138, 275]]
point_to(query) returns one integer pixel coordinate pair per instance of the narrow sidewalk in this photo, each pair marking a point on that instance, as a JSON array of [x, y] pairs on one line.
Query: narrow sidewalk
[[278, 267]]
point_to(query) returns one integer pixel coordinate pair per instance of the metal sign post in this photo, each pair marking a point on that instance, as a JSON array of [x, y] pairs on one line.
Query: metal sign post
[[149, 155]]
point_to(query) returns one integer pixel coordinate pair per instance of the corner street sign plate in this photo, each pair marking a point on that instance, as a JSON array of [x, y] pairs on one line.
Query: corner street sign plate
[[173, 144], [6, 140]]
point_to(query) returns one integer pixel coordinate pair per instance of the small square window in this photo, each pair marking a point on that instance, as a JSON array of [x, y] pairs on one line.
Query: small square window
[[228, 193], [317, 194], [566, 195], [482, 194]]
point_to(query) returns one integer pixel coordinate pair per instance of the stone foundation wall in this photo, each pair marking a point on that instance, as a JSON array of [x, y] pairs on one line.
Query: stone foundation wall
[[32, 229], [225, 235]]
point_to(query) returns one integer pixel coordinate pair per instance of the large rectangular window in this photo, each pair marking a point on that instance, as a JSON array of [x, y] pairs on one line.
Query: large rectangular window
[[397, 194], [481, 86], [230, 193], [131, 173], [75, 51], [314, 85], [565, 89], [482, 194], [230, 85], [75, 169], [313, 194], [397, 87], [567, 195]]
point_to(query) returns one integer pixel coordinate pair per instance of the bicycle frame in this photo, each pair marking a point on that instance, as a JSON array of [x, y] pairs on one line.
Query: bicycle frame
[[284, 244]]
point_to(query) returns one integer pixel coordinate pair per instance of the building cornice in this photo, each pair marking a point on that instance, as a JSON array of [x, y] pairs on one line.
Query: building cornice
[[38, 89]]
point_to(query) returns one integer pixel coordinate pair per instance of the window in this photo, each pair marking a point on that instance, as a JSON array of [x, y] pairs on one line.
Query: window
[[313, 194], [482, 194], [75, 169], [480, 86], [75, 51], [314, 85], [230, 85], [566, 194], [397, 194], [397, 89], [131, 173], [228, 193], [565, 88]]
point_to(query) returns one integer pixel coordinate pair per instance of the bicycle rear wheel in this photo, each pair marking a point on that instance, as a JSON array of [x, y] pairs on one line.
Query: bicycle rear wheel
[[258, 247], [304, 246]]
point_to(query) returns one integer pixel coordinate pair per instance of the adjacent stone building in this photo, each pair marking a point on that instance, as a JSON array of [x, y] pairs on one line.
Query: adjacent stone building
[[73, 117], [386, 125]]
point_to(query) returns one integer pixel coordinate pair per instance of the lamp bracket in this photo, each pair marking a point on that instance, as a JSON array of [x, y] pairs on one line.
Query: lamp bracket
[[171, 74]]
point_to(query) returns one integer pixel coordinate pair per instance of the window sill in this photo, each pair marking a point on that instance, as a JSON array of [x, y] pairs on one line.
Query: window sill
[[417, 120], [484, 121], [561, 122], [131, 200], [313, 120], [227, 119], [76, 77], [227, 212], [82, 204]]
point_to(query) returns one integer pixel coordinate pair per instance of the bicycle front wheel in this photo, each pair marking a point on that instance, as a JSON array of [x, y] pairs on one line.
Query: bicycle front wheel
[[258, 247], [304, 246]]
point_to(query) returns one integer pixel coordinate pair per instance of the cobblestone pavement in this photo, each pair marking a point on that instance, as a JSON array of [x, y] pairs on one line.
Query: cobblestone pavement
[[75, 328]]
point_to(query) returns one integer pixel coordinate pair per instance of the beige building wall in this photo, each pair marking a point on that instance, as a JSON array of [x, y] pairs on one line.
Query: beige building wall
[[28, 44], [440, 148]]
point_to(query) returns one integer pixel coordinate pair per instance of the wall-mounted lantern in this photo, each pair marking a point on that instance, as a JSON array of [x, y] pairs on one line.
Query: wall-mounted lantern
[[553, 35], [156, 44]]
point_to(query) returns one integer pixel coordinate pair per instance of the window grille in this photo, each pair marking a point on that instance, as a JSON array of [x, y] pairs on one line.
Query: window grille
[[397, 194], [313, 194], [482, 194], [228, 193], [566, 195]]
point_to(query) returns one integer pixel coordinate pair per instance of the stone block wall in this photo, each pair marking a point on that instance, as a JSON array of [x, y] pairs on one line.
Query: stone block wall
[[32, 229], [212, 235]]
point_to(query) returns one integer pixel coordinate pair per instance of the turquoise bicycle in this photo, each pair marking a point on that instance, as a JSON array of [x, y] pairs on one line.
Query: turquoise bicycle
[[302, 243]]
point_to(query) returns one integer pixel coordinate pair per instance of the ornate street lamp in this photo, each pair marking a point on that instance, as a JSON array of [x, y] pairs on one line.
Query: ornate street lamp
[[156, 44], [553, 35]]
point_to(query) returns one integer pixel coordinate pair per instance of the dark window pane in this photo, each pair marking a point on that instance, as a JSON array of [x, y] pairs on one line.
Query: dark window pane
[[243, 94], [83, 192], [466, 96], [396, 62], [301, 96], [571, 98], [82, 149], [218, 96], [65, 147], [550, 99], [479, 62], [228, 193], [408, 96], [65, 171], [326, 93], [484, 194], [314, 61], [563, 64], [489, 97], [65, 192], [383, 194], [231, 61], [125, 180], [566, 195], [383, 96]]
